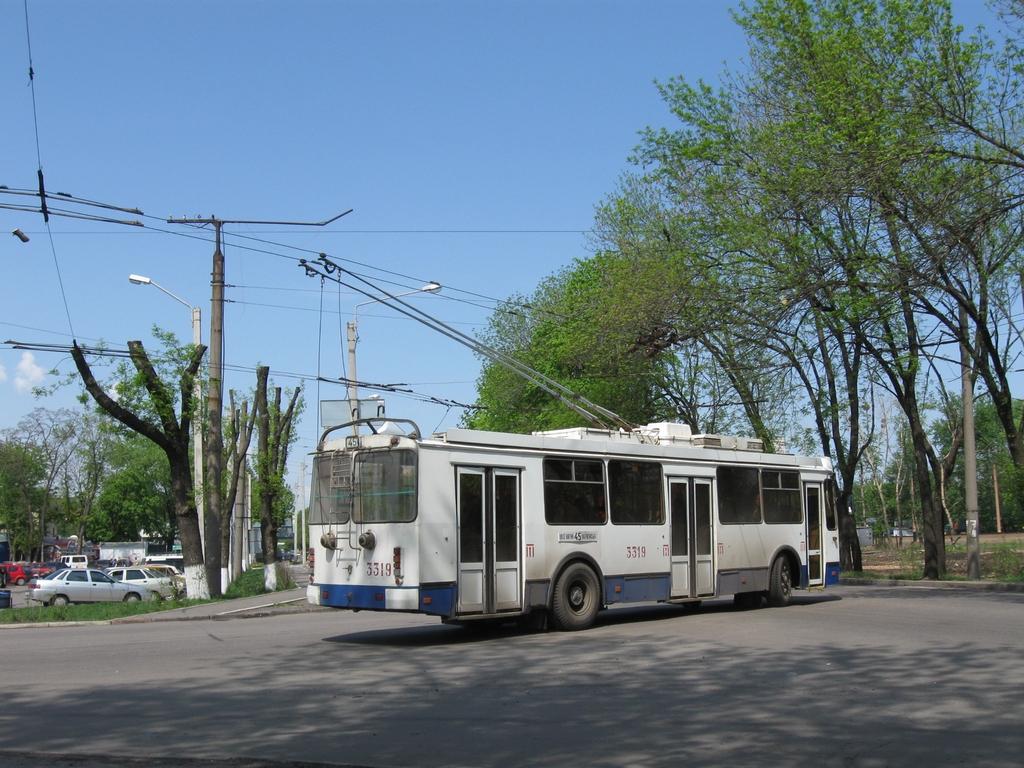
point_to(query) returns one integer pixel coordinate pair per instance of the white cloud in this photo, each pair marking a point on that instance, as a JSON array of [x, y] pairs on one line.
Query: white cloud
[[28, 374], [3, 373]]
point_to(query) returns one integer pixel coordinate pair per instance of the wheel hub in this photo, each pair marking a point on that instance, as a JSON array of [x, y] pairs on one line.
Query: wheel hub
[[577, 596]]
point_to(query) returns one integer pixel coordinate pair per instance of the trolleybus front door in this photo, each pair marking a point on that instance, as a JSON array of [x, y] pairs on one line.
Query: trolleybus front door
[[488, 520], [812, 503], [693, 563]]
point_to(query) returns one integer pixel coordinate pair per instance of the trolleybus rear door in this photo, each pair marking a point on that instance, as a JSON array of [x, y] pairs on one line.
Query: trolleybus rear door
[[703, 547], [812, 503], [488, 519], [693, 562]]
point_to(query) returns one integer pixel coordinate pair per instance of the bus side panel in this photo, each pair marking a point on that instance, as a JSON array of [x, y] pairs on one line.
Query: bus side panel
[[538, 563]]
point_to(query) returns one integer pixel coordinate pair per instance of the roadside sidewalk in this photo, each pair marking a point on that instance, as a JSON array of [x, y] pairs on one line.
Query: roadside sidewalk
[[966, 586]]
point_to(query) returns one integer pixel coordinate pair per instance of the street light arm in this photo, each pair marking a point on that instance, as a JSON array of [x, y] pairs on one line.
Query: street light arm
[[143, 280], [169, 293], [430, 287]]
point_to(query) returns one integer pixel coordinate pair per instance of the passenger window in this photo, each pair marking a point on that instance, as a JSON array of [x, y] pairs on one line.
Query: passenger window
[[77, 576], [574, 492], [781, 493], [830, 505], [739, 497], [634, 492]]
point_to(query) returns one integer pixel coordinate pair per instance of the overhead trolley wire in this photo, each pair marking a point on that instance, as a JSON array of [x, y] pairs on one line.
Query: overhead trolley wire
[[324, 267]]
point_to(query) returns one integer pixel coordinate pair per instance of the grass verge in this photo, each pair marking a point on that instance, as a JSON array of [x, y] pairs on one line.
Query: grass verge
[[40, 614]]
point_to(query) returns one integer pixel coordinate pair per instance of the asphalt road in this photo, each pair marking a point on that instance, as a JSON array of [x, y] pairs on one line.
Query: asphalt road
[[860, 676]]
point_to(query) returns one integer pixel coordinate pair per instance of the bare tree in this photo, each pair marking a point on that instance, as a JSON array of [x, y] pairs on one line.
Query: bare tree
[[171, 435], [240, 428], [274, 430]]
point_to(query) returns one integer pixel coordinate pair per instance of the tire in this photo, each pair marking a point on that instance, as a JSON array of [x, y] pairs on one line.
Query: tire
[[59, 600], [577, 598], [780, 583], [747, 601], [534, 621], [132, 597]]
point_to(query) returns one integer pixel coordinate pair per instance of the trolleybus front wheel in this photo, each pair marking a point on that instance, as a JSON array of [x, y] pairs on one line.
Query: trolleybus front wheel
[[577, 598], [780, 584]]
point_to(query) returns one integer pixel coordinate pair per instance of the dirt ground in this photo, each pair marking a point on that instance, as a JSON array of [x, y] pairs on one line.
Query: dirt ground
[[901, 556]]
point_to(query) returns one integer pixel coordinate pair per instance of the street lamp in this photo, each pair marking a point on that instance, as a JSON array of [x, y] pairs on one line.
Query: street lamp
[[353, 338], [197, 434]]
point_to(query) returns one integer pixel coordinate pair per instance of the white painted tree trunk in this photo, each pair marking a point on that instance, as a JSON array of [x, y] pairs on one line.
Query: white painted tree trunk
[[270, 577], [196, 587]]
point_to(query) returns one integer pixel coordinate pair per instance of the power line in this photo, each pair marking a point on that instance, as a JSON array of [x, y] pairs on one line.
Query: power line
[[39, 173], [397, 388], [394, 231], [334, 311], [381, 270]]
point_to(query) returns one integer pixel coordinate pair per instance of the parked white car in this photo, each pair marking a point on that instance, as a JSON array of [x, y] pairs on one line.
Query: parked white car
[[172, 573], [83, 585], [156, 584]]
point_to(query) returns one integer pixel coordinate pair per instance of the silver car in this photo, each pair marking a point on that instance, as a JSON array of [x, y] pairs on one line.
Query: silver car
[[156, 583], [82, 585]]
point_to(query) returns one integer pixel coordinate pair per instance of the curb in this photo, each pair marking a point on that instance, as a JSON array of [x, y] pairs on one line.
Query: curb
[[964, 586]]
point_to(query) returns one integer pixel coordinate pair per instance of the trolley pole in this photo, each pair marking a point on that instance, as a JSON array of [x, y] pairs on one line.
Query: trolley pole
[[970, 456]]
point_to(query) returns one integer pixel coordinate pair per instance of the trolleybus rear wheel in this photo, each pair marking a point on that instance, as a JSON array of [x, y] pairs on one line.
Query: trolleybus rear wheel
[[577, 598]]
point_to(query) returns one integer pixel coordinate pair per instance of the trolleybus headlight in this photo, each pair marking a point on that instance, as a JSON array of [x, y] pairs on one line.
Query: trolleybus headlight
[[367, 540], [329, 541]]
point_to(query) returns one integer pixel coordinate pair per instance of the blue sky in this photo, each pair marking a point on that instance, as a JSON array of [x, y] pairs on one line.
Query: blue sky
[[472, 140]]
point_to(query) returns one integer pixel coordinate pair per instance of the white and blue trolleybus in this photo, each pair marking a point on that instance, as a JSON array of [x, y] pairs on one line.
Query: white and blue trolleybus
[[471, 525]]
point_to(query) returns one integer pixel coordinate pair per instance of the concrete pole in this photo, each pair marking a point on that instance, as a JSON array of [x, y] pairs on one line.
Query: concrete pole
[[238, 528], [353, 390], [247, 517], [970, 457], [197, 430], [303, 507], [215, 436], [995, 495]]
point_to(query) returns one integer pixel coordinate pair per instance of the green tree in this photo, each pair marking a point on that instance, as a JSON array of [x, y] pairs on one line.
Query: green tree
[[136, 496], [22, 474], [563, 332]]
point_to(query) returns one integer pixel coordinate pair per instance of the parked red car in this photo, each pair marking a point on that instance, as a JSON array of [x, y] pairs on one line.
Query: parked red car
[[41, 569], [16, 573]]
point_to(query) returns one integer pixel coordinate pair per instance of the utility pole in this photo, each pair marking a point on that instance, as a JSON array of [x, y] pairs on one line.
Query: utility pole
[[970, 455], [212, 556], [214, 405], [995, 495], [239, 528], [303, 512]]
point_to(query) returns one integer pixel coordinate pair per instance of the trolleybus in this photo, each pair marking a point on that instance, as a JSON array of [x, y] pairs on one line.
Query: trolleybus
[[471, 525]]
